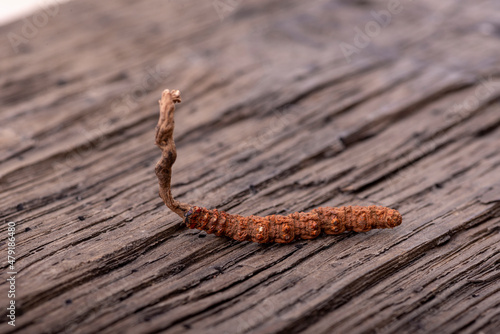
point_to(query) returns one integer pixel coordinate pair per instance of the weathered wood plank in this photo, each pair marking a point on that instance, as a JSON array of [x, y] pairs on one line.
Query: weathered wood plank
[[273, 120]]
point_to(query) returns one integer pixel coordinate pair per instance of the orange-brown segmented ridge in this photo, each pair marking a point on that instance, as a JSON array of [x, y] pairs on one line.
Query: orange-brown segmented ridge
[[298, 225], [273, 228]]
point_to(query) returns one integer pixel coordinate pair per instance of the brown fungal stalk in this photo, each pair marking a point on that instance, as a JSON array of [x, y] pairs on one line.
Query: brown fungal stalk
[[273, 228]]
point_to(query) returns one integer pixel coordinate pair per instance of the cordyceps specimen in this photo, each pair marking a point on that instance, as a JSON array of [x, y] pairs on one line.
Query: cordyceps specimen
[[273, 228]]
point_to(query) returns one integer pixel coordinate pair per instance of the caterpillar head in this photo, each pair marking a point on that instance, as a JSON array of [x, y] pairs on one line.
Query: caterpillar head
[[191, 215]]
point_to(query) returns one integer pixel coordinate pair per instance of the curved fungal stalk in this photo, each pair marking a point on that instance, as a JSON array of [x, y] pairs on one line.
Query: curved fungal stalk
[[273, 228], [165, 141]]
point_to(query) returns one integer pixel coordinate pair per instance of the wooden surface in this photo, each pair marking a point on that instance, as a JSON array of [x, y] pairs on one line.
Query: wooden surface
[[273, 120]]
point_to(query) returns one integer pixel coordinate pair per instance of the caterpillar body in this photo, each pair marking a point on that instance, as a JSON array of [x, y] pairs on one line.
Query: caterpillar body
[[273, 228], [298, 225]]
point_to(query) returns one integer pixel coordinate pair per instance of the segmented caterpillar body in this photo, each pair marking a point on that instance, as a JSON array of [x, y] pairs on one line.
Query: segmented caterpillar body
[[273, 228], [298, 225]]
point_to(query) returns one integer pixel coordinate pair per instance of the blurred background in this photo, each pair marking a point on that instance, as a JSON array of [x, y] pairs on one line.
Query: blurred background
[[17, 9]]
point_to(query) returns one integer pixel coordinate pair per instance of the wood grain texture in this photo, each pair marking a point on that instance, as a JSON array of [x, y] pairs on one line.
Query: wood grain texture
[[274, 120]]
